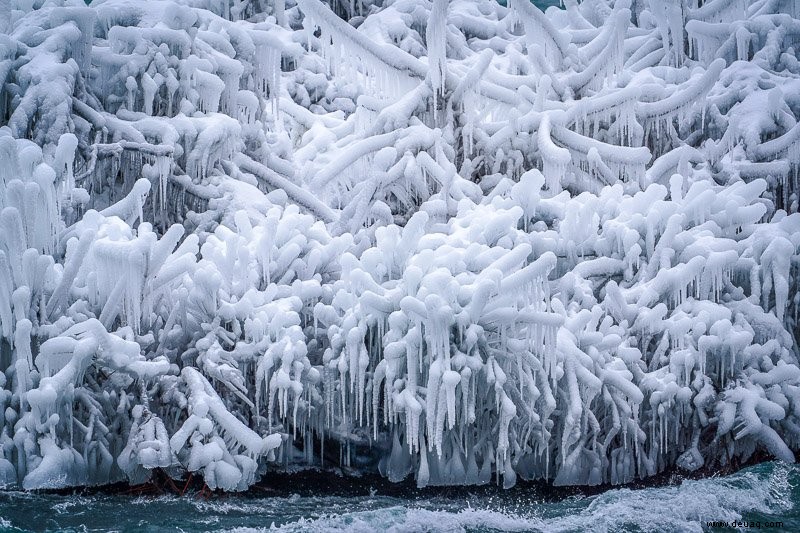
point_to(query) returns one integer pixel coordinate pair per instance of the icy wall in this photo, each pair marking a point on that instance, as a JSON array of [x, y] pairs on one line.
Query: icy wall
[[468, 241]]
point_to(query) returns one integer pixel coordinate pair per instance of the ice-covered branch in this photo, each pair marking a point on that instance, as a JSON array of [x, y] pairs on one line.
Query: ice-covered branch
[[456, 240]]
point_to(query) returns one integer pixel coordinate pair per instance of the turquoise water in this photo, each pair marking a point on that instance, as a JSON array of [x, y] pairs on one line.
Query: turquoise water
[[760, 494]]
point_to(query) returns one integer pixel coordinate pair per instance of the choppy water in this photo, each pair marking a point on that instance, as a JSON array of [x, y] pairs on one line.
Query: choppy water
[[760, 494]]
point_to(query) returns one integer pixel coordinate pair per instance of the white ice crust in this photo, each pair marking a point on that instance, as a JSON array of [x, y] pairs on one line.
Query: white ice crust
[[460, 240]]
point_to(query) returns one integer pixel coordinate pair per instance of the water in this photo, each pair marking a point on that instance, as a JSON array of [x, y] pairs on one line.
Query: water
[[764, 493]]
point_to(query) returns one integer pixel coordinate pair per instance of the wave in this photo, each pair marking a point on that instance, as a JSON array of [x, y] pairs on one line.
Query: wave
[[762, 493]]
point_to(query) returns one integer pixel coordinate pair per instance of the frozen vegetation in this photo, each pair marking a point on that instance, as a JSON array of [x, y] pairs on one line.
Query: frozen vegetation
[[470, 242]]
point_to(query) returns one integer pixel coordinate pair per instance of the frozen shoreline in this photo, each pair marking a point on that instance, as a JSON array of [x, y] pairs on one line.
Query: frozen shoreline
[[485, 243]]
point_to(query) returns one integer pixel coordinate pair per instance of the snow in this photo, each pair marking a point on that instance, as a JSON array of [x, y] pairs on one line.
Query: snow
[[462, 241]]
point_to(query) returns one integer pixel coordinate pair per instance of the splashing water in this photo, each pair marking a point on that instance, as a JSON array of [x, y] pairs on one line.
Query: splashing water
[[764, 493]]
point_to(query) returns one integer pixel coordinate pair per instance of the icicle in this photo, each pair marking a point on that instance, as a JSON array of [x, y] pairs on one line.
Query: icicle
[[64, 160], [436, 40], [554, 159], [267, 71]]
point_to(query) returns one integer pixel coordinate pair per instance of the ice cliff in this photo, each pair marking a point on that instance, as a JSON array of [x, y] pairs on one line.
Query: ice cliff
[[469, 241]]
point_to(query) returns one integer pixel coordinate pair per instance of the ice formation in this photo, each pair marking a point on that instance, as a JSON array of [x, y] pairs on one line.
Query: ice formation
[[460, 240]]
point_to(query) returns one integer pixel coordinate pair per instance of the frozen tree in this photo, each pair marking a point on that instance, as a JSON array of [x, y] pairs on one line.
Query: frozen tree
[[463, 240]]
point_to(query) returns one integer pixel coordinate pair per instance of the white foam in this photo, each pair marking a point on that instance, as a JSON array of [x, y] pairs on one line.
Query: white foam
[[684, 507]]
